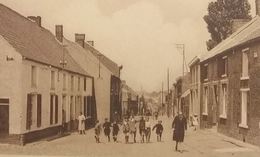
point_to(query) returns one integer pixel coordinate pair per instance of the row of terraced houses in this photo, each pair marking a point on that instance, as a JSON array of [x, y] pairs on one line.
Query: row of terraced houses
[[224, 84], [46, 80]]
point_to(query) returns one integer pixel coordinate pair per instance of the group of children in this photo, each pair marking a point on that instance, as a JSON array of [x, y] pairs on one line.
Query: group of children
[[129, 129]]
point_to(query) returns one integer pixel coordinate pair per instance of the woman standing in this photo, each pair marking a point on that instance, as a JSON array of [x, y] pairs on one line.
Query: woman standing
[[179, 126], [107, 129], [81, 124]]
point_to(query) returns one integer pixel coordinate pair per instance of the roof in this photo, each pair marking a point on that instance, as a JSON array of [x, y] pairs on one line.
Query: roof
[[112, 66], [245, 34], [33, 42]]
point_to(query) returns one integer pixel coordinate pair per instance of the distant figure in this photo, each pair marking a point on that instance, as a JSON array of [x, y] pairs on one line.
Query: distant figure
[[195, 122], [81, 124], [98, 128], [132, 126], [156, 115], [126, 130], [106, 127], [147, 130], [142, 129], [115, 131], [159, 130], [179, 126]]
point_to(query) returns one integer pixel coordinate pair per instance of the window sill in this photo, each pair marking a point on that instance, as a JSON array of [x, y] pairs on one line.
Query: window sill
[[205, 114], [224, 75], [245, 89], [243, 126], [205, 80], [223, 116], [244, 78]]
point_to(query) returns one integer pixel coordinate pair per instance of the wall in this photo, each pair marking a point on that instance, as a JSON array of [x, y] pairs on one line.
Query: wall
[[10, 84]]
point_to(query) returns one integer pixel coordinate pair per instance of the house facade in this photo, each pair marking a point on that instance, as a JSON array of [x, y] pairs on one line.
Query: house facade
[[105, 72], [230, 84], [195, 87], [38, 92]]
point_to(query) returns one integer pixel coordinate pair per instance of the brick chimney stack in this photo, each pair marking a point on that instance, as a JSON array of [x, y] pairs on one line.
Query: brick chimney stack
[[59, 32], [80, 39], [36, 19], [257, 7]]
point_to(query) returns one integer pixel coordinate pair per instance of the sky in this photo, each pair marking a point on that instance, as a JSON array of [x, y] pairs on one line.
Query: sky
[[141, 35]]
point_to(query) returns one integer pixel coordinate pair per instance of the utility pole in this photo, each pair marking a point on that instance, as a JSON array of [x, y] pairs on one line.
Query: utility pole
[[182, 47], [162, 99], [168, 92]]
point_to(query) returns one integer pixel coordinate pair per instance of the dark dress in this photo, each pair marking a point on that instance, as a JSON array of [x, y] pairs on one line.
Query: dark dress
[[179, 125], [142, 126], [106, 127], [115, 129]]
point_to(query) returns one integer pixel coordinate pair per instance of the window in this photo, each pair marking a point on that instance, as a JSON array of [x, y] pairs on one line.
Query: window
[[34, 111], [33, 77], [78, 83], [52, 79], [223, 110], [89, 104], [85, 84], [64, 82], [245, 64], [205, 104], [205, 72], [72, 108], [223, 66], [53, 109], [72, 82], [244, 103]]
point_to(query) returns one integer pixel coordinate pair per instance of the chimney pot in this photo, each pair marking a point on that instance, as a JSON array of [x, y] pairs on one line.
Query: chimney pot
[[59, 32], [80, 39], [91, 43], [36, 19]]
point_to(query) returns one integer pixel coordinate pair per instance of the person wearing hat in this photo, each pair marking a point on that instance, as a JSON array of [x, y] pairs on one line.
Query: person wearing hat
[[107, 129], [179, 126], [159, 130]]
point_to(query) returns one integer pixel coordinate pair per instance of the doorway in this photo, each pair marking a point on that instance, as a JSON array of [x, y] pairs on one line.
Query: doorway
[[4, 116]]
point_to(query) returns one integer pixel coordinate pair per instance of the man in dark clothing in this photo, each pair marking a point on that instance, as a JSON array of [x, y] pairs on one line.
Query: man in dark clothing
[[179, 126], [142, 129], [107, 130], [115, 131], [159, 130]]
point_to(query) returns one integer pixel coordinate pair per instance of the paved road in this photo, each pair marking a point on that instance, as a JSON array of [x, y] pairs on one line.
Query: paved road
[[197, 143]]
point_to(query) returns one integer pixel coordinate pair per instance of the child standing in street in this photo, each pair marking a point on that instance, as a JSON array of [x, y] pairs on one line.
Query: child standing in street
[[97, 131], [115, 131], [159, 130], [107, 129], [126, 130]]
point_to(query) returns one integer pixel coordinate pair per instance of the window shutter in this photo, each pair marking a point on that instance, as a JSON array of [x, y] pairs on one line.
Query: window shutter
[[56, 109], [39, 110], [51, 109], [29, 112]]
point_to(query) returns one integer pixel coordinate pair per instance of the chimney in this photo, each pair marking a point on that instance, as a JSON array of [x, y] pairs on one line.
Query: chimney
[[36, 19], [80, 39], [257, 7], [59, 32], [91, 43], [238, 23]]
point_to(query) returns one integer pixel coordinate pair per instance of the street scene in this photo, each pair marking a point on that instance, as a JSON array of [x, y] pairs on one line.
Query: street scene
[[107, 78]]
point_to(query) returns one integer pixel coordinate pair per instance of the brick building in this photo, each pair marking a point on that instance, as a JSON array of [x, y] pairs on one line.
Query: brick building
[[230, 76]]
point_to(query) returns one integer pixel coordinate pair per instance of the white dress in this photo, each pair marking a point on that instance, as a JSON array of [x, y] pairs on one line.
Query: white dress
[[81, 125]]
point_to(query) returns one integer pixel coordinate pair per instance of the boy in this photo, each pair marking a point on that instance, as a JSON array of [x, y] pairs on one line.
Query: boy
[[107, 130], [97, 131], [159, 130], [115, 131]]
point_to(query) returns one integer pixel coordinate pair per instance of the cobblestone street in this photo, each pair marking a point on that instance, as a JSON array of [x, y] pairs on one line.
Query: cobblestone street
[[197, 143]]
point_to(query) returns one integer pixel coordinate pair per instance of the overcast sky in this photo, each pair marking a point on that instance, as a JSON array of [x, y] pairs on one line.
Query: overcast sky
[[138, 34]]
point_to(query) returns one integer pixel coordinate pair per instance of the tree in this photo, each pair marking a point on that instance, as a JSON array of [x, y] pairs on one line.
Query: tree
[[220, 16]]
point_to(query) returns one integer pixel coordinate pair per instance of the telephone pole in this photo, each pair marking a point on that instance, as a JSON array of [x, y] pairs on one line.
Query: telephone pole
[[168, 92]]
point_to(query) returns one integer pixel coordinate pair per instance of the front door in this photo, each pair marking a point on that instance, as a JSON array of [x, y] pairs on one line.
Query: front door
[[215, 105], [4, 119]]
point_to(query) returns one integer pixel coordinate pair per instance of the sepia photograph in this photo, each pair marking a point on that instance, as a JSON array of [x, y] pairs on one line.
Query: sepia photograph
[[129, 78]]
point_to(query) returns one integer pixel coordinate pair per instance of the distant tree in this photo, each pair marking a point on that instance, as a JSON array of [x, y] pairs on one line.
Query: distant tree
[[219, 18]]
